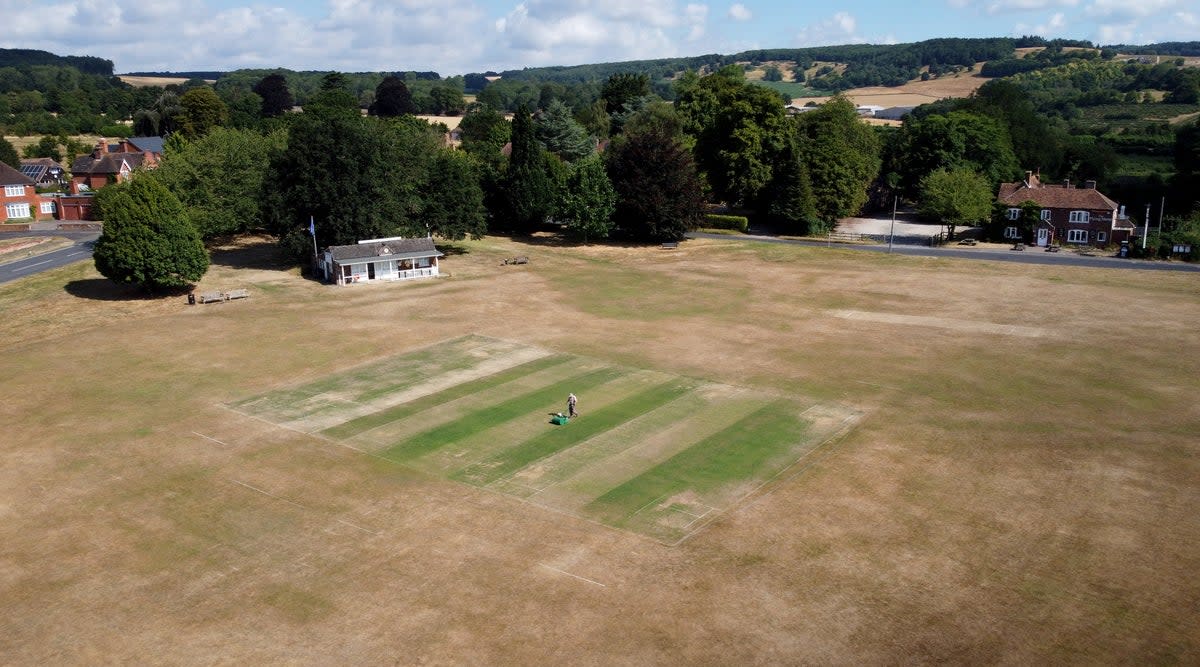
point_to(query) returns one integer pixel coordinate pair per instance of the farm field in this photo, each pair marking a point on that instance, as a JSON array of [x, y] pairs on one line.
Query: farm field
[[365, 475]]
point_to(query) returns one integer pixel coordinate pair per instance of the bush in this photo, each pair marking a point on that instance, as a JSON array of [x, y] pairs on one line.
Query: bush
[[736, 222]]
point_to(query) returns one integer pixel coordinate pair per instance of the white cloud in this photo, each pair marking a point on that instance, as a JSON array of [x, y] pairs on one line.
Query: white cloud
[[739, 12], [1056, 26], [994, 7], [841, 28], [1141, 8], [543, 32]]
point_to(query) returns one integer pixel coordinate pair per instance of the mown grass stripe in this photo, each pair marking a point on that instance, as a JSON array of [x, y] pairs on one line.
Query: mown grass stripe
[[736, 454], [479, 420], [553, 441], [396, 413]]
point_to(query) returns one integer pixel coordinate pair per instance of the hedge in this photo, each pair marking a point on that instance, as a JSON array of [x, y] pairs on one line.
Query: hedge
[[737, 222]]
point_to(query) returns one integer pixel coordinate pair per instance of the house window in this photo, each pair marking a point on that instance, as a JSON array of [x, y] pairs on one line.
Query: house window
[[1077, 236], [1045, 214], [47, 207], [1011, 233], [1080, 216], [1101, 237], [14, 191], [17, 210], [1014, 213]]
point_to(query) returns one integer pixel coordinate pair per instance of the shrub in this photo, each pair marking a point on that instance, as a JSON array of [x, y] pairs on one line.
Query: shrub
[[735, 222]]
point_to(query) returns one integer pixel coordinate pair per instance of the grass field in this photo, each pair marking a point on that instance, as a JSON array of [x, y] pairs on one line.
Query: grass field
[[366, 475], [658, 454]]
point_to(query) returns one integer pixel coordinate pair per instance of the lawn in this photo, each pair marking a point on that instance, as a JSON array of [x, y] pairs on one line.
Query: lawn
[[477, 398], [367, 475]]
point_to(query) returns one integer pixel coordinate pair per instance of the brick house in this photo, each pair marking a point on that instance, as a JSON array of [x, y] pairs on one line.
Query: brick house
[[1069, 214], [113, 163], [21, 200]]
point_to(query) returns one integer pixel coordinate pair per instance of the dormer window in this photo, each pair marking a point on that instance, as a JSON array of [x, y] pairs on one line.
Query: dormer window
[[1080, 216]]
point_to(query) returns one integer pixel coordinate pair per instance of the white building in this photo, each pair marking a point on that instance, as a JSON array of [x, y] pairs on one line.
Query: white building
[[380, 259]]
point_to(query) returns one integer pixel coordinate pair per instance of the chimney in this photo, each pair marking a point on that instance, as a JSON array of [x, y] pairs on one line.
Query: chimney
[[101, 147], [1029, 179], [1089, 185]]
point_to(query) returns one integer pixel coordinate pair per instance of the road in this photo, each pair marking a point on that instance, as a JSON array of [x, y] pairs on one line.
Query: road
[[80, 250], [1028, 256]]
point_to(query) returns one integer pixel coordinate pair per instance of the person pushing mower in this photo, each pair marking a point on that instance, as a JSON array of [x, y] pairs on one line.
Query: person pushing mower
[[571, 403]]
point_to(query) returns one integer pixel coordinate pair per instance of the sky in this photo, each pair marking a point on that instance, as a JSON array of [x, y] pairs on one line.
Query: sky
[[461, 36]]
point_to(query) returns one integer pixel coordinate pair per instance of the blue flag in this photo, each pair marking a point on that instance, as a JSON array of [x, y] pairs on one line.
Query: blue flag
[[312, 228]]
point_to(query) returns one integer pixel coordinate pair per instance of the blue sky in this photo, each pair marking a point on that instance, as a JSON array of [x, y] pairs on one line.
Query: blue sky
[[459, 36]]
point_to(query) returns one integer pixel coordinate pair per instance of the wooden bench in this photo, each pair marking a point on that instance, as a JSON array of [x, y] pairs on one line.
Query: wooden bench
[[670, 245], [967, 242], [1052, 248], [210, 297], [237, 294]]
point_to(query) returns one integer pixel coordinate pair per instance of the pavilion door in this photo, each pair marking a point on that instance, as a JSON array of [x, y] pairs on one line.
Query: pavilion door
[[371, 271]]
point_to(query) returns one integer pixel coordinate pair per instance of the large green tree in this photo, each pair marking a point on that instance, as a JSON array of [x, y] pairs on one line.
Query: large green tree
[[956, 197], [739, 130], [484, 132], [392, 98], [561, 135], [276, 98], [659, 193], [452, 197], [529, 190], [589, 200], [842, 155], [201, 111], [952, 140], [148, 240], [622, 88], [219, 178], [356, 177], [792, 204]]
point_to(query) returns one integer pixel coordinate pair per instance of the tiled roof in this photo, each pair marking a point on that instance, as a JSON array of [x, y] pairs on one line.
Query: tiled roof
[[10, 176], [395, 249], [1056, 196], [152, 144], [109, 163]]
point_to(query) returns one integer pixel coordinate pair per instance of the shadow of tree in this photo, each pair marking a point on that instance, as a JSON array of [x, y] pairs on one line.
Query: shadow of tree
[[560, 240], [255, 253], [102, 289]]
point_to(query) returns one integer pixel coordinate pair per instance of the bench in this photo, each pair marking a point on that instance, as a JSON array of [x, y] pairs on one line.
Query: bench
[[1052, 248], [210, 297], [670, 245], [516, 260], [967, 242], [237, 294], [1018, 246]]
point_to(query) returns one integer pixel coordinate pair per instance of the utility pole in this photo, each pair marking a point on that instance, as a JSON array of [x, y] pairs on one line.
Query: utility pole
[[1146, 226], [1162, 204]]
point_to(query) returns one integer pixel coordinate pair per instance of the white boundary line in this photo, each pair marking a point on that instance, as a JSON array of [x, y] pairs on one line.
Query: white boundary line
[[365, 530], [211, 438], [590, 581], [267, 493]]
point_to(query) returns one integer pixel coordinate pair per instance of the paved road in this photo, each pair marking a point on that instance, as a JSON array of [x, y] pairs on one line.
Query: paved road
[[1028, 256], [81, 250]]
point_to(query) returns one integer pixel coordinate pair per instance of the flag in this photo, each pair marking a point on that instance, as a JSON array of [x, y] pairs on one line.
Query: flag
[[312, 228]]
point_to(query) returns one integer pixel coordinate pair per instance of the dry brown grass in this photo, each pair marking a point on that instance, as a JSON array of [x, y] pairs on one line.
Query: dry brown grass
[[913, 93], [1006, 499]]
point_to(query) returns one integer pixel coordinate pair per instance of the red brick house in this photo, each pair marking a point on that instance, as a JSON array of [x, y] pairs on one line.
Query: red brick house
[[111, 164], [20, 198], [1069, 214]]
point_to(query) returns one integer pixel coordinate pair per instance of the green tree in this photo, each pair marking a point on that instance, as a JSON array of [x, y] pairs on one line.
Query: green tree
[[659, 194], [622, 88], [1186, 183], [842, 155], [589, 200], [453, 199], [276, 98], [484, 132], [148, 240], [47, 146], [392, 98], [8, 154], [772, 73], [956, 197], [201, 111], [558, 132], [446, 100], [595, 119], [738, 128], [530, 192], [951, 140], [792, 204], [219, 178]]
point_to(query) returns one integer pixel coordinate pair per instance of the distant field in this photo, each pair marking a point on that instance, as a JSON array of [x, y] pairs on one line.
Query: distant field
[[1132, 116], [913, 93], [144, 81], [657, 454]]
